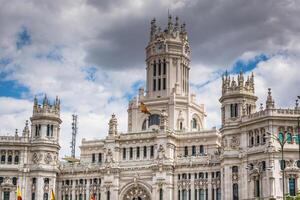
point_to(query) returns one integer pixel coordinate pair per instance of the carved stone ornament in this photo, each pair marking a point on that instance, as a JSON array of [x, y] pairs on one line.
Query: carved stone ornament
[[109, 156], [48, 158], [36, 158], [234, 142], [161, 153]]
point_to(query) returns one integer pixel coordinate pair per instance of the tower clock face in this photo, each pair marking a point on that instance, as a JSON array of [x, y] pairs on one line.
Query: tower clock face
[[159, 47]]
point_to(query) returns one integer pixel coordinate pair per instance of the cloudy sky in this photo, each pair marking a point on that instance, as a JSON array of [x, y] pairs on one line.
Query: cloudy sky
[[91, 54]]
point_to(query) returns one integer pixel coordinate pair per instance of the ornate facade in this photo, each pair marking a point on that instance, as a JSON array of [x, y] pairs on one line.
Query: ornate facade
[[167, 154]]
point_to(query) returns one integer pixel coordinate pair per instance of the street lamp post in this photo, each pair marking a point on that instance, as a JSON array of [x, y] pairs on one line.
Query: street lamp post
[[282, 141]]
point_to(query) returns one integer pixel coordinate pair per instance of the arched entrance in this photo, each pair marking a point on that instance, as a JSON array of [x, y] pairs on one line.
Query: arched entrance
[[136, 192]]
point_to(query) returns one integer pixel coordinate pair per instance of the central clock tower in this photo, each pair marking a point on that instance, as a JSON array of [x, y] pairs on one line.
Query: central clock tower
[[168, 58], [167, 92]]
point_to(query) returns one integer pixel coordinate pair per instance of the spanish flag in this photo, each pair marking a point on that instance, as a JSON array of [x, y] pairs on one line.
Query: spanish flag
[[144, 109], [52, 195], [19, 194], [93, 197]]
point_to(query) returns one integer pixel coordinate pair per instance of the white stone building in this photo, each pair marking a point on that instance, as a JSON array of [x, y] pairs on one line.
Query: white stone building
[[167, 154]]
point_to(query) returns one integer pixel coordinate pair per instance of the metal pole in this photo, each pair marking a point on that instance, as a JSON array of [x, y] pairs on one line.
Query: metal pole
[[283, 166], [299, 139]]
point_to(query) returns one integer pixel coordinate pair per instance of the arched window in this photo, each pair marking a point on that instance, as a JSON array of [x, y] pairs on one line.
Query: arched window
[[2, 159], [14, 180], [180, 125], [144, 125], [194, 123], [154, 119], [235, 191], [289, 138], [9, 159]]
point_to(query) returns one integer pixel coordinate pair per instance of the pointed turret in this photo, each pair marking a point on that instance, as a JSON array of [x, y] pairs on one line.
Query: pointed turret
[[270, 104], [113, 125], [26, 129], [170, 24]]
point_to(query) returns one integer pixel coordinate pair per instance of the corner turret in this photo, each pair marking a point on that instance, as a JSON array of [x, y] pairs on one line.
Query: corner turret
[[238, 98]]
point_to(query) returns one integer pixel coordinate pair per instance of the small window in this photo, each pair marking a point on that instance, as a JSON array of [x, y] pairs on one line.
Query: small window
[[201, 150], [93, 158], [3, 159], [161, 194], [14, 180], [194, 123], [164, 83], [280, 137], [145, 152], [154, 68], [159, 84], [159, 68], [16, 159], [138, 152], [235, 169], [165, 67], [131, 153], [154, 84], [152, 151], [100, 157], [48, 130], [124, 153], [289, 138], [193, 150], [186, 151], [9, 159], [263, 165]]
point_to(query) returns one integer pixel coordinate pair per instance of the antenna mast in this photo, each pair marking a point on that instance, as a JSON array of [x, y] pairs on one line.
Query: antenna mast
[[74, 133]]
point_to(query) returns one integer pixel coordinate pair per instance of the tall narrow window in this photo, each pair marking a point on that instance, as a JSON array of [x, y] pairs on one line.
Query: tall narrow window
[[145, 152], [190, 196], [193, 150], [51, 130], [131, 152], [218, 193], [186, 151], [201, 150], [213, 194], [93, 158], [159, 84], [16, 159], [100, 157], [184, 195], [179, 195], [161, 195], [165, 67], [154, 68], [138, 152], [196, 192], [235, 191], [154, 85], [108, 195], [236, 114], [201, 194], [48, 130], [33, 196], [159, 68], [292, 187], [257, 188], [164, 83], [151, 151], [124, 153]]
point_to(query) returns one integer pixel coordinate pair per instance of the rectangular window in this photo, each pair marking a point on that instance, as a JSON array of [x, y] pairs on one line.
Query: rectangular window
[[178, 194], [159, 68], [165, 68], [186, 151], [193, 150], [124, 153], [257, 188], [138, 152], [206, 194], [213, 194], [93, 158], [33, 196], [100, 157], [131, 152], [164, 83], [159, 84], [152, 151], [154, 69], [292, 187], [48, 130], [190, 197], [154, 85], [145, 152], [196, 191]]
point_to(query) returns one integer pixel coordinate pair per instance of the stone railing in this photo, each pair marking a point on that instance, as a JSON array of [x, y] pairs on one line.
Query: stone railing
[[272, 112]]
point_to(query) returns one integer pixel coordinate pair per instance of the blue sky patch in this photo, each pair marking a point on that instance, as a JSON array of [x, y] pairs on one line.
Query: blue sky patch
[[248, 65], [134, 90], [54, 54], [23, 38], [90, 73], [10, 88]]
